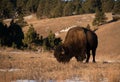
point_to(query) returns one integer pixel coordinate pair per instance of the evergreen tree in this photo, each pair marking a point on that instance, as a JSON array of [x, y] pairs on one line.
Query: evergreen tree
[[90, 6], [107, 5], [1, 33], [32, 5], [47, 9], [21, 22], [100, 18], [21, 7], [51, 38], [6, 9], [50, 42], [57, 41], [31, 36], [16, 34], [116, 9], [13, 2], [77, 6], [57, 10], [46, 44], [40, 9], [20, 3], [68, 9]]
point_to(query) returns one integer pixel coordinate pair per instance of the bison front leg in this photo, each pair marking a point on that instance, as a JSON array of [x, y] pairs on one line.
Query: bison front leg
[[88, 56], [80, 57]]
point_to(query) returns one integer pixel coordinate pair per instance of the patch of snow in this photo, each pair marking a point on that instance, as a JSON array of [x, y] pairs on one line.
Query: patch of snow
[[9, 70], [7, 20], [68, 28], [111, 61], [25, 81], [28, 17], [57, 33]]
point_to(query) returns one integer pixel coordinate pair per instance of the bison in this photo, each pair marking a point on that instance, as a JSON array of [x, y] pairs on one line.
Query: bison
[[78, 43]]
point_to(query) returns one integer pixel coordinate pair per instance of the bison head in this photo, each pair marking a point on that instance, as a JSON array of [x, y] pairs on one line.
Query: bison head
[[61, 54]]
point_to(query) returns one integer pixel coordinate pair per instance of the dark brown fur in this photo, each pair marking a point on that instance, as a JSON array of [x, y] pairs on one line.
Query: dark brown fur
[[78, 42], [92, 43]]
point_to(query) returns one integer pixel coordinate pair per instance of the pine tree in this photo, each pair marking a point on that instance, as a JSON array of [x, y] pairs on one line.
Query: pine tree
[[32, 5], [47, 9], [51, 38], [90, 6], [1, 33], [16, 34], [31, 36], [107, 5], [68, 9], [57, 41], [40, 9], [78, 6], [20, 5], [57, 10], [100, 18], [21, 22], [116, 9], [6, 9]]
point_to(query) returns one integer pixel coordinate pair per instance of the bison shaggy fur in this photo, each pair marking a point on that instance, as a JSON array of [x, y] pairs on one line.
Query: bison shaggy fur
[[78, 43]]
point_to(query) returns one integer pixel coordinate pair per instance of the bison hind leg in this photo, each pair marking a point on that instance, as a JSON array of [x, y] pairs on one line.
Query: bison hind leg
[[88, 56], [93, 54]]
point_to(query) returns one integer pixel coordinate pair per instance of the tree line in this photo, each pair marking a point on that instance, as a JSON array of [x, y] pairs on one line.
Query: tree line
[[13, 36], [55, 8]]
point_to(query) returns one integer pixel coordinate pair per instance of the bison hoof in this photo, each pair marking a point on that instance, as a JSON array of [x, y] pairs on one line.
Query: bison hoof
[[94, 61], [87, 62]]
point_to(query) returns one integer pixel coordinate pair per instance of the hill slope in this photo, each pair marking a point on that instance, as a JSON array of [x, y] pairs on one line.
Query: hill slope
[[109, 40], [56, 24]]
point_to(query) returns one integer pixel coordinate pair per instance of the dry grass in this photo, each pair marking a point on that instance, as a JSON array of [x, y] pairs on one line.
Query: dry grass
[[56, 24], [43, 66]]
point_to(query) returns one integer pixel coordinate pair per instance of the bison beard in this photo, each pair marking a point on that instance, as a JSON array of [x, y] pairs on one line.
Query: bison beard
[[78, 42]]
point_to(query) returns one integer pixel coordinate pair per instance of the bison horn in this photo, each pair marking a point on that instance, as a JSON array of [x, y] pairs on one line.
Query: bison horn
[[63, 51]]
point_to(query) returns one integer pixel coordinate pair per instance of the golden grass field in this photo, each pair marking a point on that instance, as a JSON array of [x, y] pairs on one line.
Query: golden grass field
[[42, 66]]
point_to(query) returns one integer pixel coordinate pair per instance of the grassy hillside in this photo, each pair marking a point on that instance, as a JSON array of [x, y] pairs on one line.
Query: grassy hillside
[[109, 40], [56, 24]]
